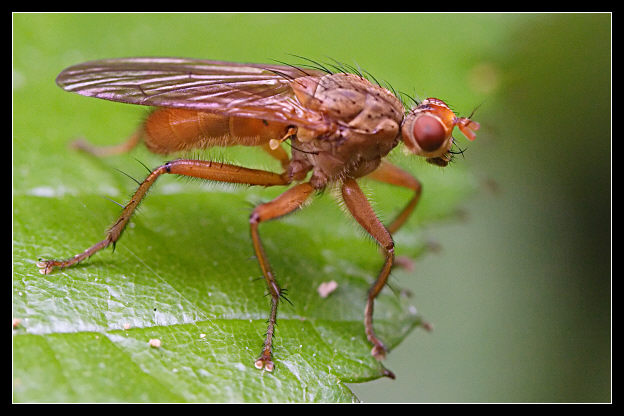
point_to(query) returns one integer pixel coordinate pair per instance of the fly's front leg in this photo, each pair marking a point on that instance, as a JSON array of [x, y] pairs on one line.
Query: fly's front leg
[[393, 175], [278, 153], [196, 168], [282, 205], [363, 213]]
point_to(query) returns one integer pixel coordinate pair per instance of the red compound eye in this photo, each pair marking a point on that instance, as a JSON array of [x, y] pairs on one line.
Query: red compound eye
[[429, 133]]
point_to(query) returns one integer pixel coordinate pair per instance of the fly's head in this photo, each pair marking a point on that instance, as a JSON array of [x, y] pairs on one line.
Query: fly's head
[[427, 130]]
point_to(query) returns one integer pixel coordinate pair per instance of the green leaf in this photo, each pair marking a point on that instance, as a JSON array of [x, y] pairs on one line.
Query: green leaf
[[184, 271]]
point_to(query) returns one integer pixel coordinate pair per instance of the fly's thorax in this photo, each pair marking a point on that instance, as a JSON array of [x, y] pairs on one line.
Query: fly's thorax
[[365, 120], [350, 99]]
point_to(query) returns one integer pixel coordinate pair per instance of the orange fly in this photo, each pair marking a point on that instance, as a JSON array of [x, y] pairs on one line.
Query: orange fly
[[340, 126]]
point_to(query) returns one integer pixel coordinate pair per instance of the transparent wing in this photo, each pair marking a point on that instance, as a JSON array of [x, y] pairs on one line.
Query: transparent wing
[[227, 88]]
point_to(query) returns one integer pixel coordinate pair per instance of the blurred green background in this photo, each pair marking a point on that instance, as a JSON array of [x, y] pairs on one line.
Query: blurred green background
[[520, 292]]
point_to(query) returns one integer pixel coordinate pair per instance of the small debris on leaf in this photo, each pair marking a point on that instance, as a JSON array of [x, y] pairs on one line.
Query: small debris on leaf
[[326, 288], [154, 343]]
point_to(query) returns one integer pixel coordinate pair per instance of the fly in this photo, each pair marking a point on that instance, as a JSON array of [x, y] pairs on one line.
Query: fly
[[339, 125]]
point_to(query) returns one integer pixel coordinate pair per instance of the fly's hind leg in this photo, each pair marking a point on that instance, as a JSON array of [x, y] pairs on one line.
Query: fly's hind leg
[[203, 169], [102, 151], [287, 202]]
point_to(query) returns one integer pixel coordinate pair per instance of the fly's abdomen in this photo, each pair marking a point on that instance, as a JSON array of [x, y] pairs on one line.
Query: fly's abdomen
[[169, 130]]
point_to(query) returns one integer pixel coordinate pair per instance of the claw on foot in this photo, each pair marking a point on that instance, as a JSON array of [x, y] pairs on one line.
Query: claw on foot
[[80, 144], [45, 266], [427, 326], [264, 362], [387, 373], [379, 351]]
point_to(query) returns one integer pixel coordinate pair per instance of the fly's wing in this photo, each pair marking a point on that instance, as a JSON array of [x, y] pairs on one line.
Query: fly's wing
[[226, 88]]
